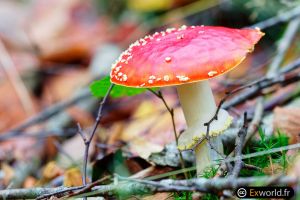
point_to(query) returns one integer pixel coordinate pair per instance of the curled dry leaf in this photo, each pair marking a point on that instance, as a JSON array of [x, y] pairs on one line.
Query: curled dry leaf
[[29, 182], [52, 171], [287, 121], [72, 177], [8, 172]]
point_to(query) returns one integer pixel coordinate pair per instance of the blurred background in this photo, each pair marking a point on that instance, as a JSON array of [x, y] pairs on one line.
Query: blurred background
[[50, 52]]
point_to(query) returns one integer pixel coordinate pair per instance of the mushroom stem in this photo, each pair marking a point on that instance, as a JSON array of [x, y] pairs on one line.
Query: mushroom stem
[[199, 107]]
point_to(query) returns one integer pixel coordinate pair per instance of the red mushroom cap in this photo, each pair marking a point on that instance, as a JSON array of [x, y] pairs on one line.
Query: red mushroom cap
[[183, 55]]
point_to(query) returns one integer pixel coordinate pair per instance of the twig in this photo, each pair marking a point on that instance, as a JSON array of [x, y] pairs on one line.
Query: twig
[[258, 85], [33, 192], [88, 187], [284, 17], [283, 46], [257, 117], [38, 193], [240, 140], [48, 113], [204, 185], [87, 141], [63, 152], [171, 111], [67, 132], [136, 186]]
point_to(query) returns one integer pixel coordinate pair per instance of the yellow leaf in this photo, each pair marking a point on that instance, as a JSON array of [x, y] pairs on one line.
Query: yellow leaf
[[149, 5], [51, 171], [8, 173], [72, 177]]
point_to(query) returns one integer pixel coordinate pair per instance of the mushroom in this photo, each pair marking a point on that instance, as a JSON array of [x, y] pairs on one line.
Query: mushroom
[[187, 57]]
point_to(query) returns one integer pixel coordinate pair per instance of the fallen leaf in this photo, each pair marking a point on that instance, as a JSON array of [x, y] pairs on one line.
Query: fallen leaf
[[274, 168], [150, 128], [149, 5], [65, 84], [160, 195], [74, 148], [287, 121], [72, 177], [293, 170], [62, 34], [51, 171], [29, 182], [9, 173]]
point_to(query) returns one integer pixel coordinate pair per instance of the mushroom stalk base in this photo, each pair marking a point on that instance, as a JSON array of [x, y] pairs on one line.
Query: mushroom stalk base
[[199, 107]]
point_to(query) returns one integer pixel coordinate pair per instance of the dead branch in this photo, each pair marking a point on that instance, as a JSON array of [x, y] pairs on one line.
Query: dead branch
[[281, 18], [47, 113], [138, 187], [33, 193], [240, 141], [171, 112], [283, 46], [258, 85]]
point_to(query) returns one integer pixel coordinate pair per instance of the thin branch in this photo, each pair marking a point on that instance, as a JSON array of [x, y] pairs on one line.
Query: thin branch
[[87, 141], [283, 46], [38, 193], [257, 117], [240, 140], [258, 85], [136, 186], [281, 18], [89, 187], [171, 111], [48, 113]]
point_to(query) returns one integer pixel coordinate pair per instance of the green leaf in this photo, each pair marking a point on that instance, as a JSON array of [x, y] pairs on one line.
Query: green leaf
[[99, 89]]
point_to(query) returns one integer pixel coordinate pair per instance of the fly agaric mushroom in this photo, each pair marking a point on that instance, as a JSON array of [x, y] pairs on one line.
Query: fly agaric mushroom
[[187, 57]]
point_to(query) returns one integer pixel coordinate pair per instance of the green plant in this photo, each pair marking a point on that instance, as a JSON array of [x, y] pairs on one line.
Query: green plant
[[268, 160], [100, 87], [183, 195]]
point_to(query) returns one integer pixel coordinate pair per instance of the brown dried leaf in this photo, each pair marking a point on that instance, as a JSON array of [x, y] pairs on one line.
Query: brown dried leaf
[[160, 195], [287, 121], [9, 173], [293, 170], [72, 177], [64, 85], [51, 171], [150, 128], [29, 182], [64, 35]]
